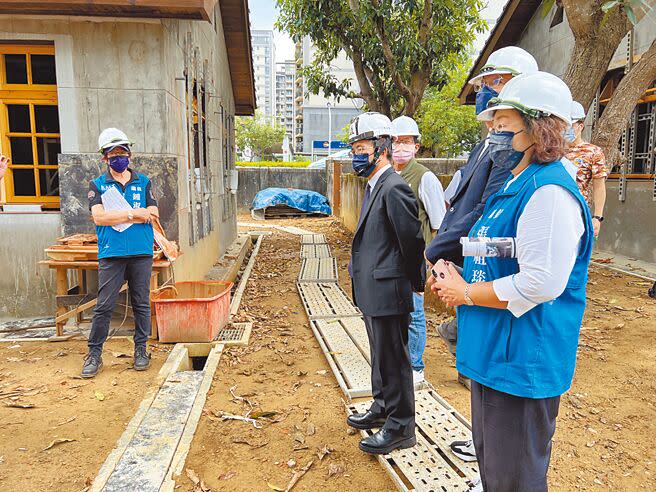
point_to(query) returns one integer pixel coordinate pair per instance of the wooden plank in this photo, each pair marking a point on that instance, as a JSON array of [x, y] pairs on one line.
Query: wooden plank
[[83, 307], [92, 265], [189, 9], [61, 282]]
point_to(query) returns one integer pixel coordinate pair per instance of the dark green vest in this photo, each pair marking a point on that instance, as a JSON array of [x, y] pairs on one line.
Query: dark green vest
[[412, 174]]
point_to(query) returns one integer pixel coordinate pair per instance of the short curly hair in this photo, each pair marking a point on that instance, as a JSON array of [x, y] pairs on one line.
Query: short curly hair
[[548, 134]]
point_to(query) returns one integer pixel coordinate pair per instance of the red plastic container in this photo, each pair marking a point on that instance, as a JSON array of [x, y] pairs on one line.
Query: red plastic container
[[193, 311]]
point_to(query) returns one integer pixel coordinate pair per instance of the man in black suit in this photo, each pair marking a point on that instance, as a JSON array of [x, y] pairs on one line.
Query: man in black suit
[[387, 266]]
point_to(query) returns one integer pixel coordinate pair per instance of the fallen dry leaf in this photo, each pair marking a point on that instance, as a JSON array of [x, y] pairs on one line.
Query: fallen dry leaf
[[99, 396], [120, 355], [324, 451], [199, 484], [228, 476], [54, 443], [335, 469], [298, 475], [275, 487]]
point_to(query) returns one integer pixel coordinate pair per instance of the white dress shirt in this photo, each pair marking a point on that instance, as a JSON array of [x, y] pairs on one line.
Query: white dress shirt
[[548, 239], [374, 179], [431, 195], [450, 191]]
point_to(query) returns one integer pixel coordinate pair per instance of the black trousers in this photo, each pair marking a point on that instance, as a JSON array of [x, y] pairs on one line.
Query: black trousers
[[512, 437], [112, 272], [391, 372]]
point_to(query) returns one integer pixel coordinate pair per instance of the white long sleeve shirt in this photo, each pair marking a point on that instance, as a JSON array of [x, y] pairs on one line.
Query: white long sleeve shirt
[[431, 195], [548, 238]]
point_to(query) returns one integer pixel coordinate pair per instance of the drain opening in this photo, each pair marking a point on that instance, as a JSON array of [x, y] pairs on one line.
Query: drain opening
[[198, 363]]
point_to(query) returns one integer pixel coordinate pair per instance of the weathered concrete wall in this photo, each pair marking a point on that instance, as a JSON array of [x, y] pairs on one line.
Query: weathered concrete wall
[[629, 227], [26, 288], [129, 73], [352, 194], [254, 179]]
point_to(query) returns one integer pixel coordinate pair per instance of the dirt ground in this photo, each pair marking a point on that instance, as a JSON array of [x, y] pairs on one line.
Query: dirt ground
[[92, 414], [606, 427], [604, 438]]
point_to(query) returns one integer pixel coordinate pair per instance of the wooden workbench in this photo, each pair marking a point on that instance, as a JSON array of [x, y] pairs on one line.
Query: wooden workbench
[[79, 298]]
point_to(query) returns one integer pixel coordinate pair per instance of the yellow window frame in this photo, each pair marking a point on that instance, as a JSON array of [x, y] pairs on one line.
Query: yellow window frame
[[31, 95]]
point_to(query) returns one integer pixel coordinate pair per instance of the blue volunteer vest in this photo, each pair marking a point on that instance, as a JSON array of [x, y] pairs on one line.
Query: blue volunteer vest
[[136, 239], [532, 356]]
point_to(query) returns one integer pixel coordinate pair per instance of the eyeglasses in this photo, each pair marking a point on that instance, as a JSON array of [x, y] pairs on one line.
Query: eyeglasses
[[495, 82]]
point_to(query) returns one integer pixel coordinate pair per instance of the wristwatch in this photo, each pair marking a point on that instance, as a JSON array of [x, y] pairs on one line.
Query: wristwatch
[[468, 300], [600, 218], [130, 215]]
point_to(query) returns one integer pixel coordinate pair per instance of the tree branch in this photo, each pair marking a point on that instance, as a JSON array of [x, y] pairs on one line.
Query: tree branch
[[426, 23], [387, 53]]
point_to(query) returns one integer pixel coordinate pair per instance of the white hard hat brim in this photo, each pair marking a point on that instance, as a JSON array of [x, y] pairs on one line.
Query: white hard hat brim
[[488, 114], [118, 143], [500, 71]]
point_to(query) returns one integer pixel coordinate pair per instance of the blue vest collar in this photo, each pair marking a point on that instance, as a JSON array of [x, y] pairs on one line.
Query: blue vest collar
[[110, 179], [521, 180]]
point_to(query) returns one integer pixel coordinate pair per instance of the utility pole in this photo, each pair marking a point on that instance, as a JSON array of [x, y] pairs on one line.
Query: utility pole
[[330, 127]]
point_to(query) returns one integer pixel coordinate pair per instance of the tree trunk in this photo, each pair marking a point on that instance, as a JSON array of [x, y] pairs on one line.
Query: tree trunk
[[595, 45], [613, 121]]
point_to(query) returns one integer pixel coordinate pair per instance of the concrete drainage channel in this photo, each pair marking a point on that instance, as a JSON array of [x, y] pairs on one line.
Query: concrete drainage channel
[[154, 446]]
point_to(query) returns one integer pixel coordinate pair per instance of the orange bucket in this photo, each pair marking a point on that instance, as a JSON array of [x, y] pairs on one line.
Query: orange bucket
[[192, 311]]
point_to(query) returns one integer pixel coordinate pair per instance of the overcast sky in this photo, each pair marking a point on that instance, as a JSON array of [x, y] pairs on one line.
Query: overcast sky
[[263, 14]]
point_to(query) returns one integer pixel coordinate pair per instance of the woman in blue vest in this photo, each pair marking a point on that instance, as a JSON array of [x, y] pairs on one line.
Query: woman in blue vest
[[520, 316]]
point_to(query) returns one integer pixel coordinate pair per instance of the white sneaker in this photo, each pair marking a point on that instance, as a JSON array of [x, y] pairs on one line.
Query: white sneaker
[[417, 377], [464, 450], [476, 485]]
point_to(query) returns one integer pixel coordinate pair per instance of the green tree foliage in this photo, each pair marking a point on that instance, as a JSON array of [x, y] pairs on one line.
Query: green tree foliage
[[398, 47], [258, 135], [447, 128]]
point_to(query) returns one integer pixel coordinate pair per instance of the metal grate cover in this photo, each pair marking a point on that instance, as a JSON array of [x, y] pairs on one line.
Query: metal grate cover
[[429, 466], [326, 301], [318, 270], [235, 334], [315, 251], [353, 367], [313, 239]]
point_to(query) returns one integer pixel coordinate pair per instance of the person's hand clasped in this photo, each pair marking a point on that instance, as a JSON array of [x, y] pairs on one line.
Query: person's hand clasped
[[142, 215], [451, 289]]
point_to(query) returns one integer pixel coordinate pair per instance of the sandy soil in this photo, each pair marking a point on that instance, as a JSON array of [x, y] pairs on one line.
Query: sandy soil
[[606, 427], [93, 413]]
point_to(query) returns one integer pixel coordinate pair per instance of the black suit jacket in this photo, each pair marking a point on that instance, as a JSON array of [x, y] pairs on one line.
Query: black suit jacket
[[387, 250], [480, 180]]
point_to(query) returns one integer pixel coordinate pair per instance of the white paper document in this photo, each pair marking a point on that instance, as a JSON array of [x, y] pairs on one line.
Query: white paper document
[[113, 201]]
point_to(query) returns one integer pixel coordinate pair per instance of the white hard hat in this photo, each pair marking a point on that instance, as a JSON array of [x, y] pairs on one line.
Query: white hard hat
[[578, 113], [536, 94], [404, 125], [511, 59], [369, 126], [112, 137]]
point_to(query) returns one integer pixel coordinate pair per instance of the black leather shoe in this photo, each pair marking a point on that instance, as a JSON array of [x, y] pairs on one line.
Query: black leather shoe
[[366, 421], [92, 365], [385, 441], [141, 359]]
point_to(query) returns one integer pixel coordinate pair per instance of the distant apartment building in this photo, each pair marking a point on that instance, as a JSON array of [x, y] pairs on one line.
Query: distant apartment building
[[315, 110], [264, 56], [285, 89]]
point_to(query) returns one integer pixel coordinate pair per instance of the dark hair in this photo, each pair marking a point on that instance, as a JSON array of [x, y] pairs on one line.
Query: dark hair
[[547, 132]]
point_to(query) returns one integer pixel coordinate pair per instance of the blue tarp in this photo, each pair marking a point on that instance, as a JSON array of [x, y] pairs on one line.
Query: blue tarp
[[304, 200]]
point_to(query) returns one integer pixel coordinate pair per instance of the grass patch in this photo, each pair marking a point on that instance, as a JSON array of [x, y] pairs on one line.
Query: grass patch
[[272, 164]]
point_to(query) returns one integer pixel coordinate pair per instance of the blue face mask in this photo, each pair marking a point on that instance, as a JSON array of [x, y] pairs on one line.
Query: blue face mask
[[483, 98], [362, 166], [569, 134], [501, 150], [119, 163]]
